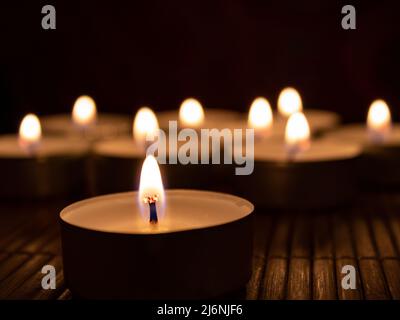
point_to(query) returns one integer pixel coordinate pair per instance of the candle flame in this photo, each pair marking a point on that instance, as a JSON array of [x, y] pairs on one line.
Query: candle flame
[[260, 116], [297, 133], [30, 132], [289, 102], [151, 188], [191, 113], [144, 124], [84, 112], [379, 121]]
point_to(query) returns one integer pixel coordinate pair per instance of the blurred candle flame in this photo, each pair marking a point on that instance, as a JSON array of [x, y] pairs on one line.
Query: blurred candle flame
[[297, 134], [191, 113], [144, 124], [260, 117], [151, 186], [289, 102], [30, 133], [84, 112], [378, 121]]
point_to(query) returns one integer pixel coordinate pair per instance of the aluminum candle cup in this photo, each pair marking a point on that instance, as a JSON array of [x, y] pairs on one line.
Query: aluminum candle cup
[[57, 168], [320, 177], [117, 164], [106, 126], [202, 248], [379, 165]]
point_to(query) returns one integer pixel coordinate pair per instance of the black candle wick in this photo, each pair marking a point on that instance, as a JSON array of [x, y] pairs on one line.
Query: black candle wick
[[153, 212], [153, 209]]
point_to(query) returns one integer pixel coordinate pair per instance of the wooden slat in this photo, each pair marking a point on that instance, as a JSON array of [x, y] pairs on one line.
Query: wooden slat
[[40, 241], [299, 284], [275, 278], [32, 286], [348, 294], [262, 236], [384, 244], [18, 278], [323, 242], [324, 287], [373, 280], [23, 236], [253, 286], [261, 241], [394, 227], [280, 241], [342, 237], [66, 295], [3, 256], [301, 241], [11, 263], [363, 238], [391, 269]]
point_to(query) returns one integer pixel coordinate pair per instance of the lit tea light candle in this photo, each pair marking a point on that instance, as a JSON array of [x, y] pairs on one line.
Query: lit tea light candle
[[260, 117], [378, 121], [380, 141], [117, 161], [145, 123], [183, 232], [84, 112], [297, 134], [30, 133], [191, 114], [36, 166], [300, 174], [86, 121], [290, 102]]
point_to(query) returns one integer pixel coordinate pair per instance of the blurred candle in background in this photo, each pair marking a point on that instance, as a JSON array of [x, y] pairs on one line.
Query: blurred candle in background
[[84, 112], [145, 122], [30, 133], [297, 134], [39, 166], [379, 121], [191, 114], [260, 117], [289, 102]]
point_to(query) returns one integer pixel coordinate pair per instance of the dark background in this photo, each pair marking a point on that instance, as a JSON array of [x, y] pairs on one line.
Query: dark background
[[126, 54]]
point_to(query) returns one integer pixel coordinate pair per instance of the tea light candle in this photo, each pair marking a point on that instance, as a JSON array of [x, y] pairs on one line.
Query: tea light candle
[[33, 167], [300, 174], [290, 101], [117, 161], [191, 114], [260, 118], [380, 140], [86, 122], [169, 244]]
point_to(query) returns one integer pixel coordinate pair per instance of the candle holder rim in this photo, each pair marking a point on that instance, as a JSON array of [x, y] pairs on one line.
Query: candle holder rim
[[65, 223]]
